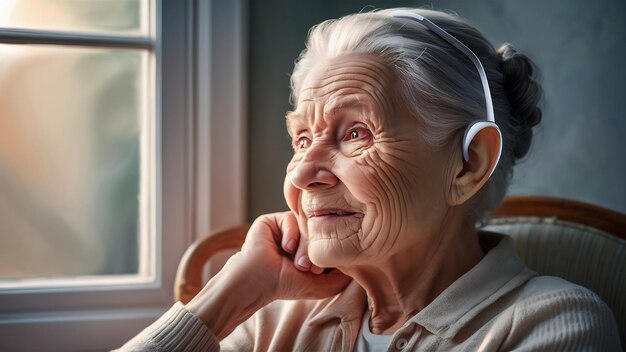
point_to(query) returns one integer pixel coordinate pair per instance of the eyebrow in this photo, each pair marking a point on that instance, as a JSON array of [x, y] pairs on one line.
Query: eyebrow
[[346, 103], [292, 116]]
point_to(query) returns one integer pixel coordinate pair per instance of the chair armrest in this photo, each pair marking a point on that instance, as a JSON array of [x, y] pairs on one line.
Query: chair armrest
[[189, 275]]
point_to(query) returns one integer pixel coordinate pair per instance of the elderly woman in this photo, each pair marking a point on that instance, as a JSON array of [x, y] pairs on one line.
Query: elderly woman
[[396, 159]]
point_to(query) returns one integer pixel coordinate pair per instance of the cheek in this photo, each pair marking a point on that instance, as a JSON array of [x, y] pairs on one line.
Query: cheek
[[292, 197], [367, 187], [379, 182], [398, 192], [291, 193], [386, 194]]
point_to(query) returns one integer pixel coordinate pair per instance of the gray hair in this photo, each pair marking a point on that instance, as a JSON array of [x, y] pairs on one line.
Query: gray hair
[[438, 84]]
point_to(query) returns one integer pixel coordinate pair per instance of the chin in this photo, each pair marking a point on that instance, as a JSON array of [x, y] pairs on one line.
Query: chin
[[330, 253]]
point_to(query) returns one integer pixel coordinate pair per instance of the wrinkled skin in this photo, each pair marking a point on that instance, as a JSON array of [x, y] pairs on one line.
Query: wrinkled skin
[[355, 151]]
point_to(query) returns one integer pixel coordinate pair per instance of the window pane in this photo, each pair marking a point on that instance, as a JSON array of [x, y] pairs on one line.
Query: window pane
[[70, 160], [99, 16]]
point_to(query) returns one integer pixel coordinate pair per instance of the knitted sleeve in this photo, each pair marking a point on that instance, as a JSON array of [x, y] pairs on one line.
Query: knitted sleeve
[[568, 320], [177, 330]]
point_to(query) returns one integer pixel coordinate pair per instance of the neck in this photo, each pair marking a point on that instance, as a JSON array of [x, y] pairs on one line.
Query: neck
[[403, 283]]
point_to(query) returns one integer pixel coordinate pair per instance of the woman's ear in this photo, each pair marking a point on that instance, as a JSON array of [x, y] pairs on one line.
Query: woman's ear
[[483, 152]]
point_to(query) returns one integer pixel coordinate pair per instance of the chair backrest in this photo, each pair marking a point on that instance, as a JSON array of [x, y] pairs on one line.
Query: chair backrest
[[579, 242]]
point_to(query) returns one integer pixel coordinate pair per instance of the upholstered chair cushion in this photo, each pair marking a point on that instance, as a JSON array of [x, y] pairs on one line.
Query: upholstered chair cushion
[[577, 253]]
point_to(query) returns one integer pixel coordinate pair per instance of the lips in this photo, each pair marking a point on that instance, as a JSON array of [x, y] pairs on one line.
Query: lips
[[319, 213]]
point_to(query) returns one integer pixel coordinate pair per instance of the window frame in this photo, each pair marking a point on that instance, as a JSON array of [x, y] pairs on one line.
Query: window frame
[[199, 45]]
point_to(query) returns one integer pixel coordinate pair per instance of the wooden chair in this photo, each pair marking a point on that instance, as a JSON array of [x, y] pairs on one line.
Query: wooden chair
[[579, 242], [190, 274]]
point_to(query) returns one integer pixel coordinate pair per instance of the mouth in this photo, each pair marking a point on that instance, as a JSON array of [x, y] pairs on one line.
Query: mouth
[[320, 214]]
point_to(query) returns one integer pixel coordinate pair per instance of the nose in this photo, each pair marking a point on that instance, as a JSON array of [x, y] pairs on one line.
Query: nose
[[313, 171]]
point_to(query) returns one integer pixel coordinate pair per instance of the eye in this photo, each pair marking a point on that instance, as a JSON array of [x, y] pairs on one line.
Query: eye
[[357, 133], [302, 143]]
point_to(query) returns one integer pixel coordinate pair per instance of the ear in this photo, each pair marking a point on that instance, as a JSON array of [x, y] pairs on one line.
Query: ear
[[483, 154]]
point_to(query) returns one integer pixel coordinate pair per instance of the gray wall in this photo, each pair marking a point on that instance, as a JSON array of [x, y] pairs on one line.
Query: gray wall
[[578, 45]]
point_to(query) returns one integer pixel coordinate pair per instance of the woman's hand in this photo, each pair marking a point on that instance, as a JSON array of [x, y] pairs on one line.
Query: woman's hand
[[263, 271], [275, 251]]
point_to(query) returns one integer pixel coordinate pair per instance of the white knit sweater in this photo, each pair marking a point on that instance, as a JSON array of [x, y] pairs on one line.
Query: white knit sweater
[[498, 305]]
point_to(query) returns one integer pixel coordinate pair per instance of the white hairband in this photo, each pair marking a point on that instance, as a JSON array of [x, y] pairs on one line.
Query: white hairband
[[476, 126]]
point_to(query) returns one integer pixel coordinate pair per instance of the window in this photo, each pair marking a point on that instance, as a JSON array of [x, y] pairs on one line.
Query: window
[[108, 169], [77, 156]]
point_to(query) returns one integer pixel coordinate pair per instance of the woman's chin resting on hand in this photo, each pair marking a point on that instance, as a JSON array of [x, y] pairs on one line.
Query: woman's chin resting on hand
[[263, 271]]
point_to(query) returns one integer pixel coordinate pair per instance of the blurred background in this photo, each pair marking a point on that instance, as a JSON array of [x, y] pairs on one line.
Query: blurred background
[[70, 120]]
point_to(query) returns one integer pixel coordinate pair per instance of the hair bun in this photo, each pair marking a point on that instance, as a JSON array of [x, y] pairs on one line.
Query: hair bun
[[523, 92]]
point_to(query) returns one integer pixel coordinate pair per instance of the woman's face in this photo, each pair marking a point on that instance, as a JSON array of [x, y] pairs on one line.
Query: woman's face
[[362, 182]]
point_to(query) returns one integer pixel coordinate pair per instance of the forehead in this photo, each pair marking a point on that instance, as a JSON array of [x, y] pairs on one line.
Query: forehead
[[358, 77]]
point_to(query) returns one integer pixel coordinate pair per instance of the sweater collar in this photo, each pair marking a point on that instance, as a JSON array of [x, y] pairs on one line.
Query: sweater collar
[[498, 273], [349, 305]]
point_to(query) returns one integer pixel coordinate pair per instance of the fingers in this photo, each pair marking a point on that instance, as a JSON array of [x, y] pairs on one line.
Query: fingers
[[301, 259], [293, 242], [276, 251], [290, 233], [316, 269]]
